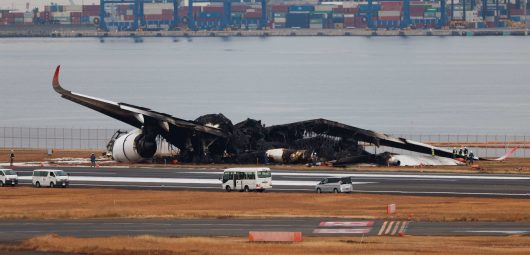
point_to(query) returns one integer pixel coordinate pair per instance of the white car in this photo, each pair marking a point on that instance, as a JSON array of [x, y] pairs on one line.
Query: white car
[[50, 178], [335, 185], [8, 177]]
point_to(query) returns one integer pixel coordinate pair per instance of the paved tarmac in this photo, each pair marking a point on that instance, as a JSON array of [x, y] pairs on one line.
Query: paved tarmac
[[479, 185], [20, 230]]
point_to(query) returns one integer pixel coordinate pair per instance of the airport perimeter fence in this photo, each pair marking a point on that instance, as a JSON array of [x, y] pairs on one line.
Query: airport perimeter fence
[[97, 139], [55, 138]]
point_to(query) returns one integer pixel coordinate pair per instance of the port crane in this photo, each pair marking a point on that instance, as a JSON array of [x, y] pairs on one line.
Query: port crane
[[138, 13], [226, 20]]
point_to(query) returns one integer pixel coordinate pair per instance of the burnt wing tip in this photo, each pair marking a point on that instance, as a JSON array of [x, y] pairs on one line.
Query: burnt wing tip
[[55, 82]]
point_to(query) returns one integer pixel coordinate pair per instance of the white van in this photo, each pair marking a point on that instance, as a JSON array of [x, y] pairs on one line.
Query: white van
[[246, 179], [8, 177], [50, 178]]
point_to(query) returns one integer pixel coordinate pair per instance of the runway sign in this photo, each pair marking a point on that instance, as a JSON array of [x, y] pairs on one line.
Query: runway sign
[[346, 224], [391, 209], [268, 236]]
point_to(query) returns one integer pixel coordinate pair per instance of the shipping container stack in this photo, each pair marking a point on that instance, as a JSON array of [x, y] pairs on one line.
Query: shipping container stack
[[390, 14], [299, 16], [364, 11], [210, 17], [183, 14], [279, 16], [516, 13], [158, 15], [90, 14], [349, 14], [346, 16], [323, 13], [251, 18], [238, 11], [11, 18], [321, 17]]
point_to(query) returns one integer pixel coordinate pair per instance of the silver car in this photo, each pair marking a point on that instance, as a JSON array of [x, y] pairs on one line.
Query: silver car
[[335, 185]]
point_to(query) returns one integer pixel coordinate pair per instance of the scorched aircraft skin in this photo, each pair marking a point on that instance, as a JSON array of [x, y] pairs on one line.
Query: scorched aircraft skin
[[213, 137]]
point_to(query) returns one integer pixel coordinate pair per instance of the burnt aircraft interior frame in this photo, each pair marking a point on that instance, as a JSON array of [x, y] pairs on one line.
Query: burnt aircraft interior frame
[[213, 138]]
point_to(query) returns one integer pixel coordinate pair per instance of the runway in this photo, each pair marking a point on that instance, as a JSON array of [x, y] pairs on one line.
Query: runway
[[479, 185], [22, 230]]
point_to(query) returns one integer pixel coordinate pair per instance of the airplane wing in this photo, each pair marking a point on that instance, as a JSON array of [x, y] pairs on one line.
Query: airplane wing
[[332, 128], [136, 116], [503, 157]]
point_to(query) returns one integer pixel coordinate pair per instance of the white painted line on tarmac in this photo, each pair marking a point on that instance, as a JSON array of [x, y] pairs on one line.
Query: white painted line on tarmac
[[414, 176], [389, 228], [176, 180], [442, 193], [346, 224], [508, 232], [142, 186], [342, 231], [383, 227]]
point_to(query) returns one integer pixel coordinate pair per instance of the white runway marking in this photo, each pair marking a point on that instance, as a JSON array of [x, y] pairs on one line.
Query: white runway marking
[[342, 231], [176, 180], [441, 193], [346, 223], [509, 232], [414, 176]]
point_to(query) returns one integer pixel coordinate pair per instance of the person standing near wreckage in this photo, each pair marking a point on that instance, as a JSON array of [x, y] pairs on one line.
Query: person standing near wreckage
[[93, 160], [471, 158], [11, 157]]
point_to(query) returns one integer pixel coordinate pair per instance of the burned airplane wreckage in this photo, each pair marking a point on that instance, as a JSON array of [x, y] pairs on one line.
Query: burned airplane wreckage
[[214, 138]]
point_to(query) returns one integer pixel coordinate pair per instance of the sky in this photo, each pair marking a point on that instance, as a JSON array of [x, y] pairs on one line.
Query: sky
[[21, 4]]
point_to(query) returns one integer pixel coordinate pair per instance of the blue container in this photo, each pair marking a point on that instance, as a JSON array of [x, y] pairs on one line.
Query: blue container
[[318, 16], [301, 8], [210, 15], [338, 18], [481, 25], [85, 19], [366, 8], [297, 20], [516, 18]]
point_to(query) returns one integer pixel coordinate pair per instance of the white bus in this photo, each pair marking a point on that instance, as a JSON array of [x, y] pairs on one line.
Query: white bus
[[247, 179]]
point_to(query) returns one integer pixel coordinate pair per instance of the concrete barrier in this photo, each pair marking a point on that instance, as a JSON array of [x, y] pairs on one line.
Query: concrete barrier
[[269, 236]]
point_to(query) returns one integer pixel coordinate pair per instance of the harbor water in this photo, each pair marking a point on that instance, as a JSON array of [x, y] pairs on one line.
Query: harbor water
[[414, 85]]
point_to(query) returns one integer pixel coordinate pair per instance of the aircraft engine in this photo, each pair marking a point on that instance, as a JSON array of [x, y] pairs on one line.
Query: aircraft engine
[[133, 147], [393, 161]]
